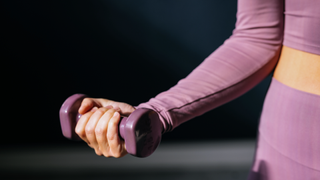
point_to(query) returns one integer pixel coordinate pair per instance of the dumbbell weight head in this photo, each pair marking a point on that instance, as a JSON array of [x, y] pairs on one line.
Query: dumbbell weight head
[[141, 131], [69, 116]]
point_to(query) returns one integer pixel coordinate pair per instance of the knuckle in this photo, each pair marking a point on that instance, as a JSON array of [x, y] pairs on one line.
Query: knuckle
[[98, 153], [110, 136], [113, 124], [100, 131], [117, 155], [89, 130], [85, 117], [100, 111], [106, 155], [80, 132]]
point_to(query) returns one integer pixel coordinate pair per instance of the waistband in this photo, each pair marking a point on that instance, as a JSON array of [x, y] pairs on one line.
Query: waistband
[[290, 122]]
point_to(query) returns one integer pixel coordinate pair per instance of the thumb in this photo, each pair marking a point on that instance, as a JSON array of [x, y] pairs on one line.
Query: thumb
[[87, 104], [125, 109]]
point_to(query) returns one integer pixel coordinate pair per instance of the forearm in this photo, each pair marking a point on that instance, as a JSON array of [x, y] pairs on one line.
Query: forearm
[[245, 59]]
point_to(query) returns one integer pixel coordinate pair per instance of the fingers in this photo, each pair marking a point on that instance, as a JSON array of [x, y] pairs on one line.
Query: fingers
[[91, 127], [87, 104], [125, 109], [99, 128], [101, 131], [80, 127], [117, 147]]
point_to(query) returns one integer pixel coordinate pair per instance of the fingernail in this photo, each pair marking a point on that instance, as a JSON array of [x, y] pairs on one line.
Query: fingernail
[[116, 108], [109, 107], [93, 109], [116, 114]]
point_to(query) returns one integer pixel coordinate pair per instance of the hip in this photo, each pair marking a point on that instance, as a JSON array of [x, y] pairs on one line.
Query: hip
[[290, 123]]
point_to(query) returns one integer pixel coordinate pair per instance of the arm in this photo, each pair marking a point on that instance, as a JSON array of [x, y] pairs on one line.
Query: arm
[[244, 60]]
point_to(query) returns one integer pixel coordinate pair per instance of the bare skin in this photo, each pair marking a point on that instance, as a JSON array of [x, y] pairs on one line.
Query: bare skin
[[299, 70], [98, 126]]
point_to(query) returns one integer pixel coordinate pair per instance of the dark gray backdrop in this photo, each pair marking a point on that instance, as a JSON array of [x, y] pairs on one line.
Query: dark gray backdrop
[[118, 49]]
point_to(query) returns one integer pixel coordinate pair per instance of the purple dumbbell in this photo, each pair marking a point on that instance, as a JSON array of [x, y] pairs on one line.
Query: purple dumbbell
[[141, 131]]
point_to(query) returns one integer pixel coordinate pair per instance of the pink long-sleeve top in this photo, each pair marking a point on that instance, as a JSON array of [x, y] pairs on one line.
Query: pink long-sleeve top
[[243, 60]]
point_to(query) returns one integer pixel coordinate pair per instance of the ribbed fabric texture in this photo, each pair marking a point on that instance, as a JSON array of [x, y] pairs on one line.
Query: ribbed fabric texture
[[244, 60], [302, 25], [289, 136]]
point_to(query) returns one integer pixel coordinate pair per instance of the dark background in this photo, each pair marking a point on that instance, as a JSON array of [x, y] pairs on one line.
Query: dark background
[[117, 49]]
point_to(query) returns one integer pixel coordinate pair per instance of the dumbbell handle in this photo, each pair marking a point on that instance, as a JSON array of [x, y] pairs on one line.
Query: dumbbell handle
[[141, 131]]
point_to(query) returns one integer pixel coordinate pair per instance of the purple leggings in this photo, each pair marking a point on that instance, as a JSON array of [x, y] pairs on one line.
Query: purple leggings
[[288, 146]]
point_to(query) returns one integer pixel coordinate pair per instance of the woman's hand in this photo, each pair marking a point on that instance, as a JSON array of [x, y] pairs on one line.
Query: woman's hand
[[98, 125]]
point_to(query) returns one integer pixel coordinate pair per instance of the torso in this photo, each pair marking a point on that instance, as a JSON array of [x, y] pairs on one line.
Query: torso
[[299, 64], [299, 70]]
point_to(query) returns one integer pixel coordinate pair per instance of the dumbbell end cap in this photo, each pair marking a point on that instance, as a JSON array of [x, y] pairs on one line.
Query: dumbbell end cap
[[69, 116], [142, 131]]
